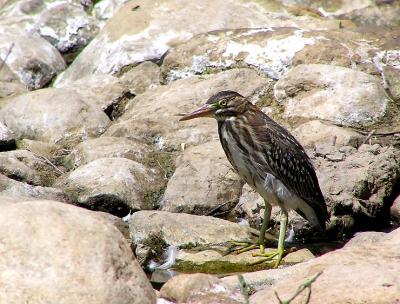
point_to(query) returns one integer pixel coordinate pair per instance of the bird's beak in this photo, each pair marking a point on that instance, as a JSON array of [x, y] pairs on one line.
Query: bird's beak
[[204, 111]]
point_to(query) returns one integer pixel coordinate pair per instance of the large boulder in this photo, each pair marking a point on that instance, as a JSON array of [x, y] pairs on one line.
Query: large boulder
[[346, 97], [269, 50], [106, 146], [23, 165], [113, 184], [75, 257], [203, 183], [42, 115], [64, 24], [158, 229], [16, 190], [145, 30], [34, 60]]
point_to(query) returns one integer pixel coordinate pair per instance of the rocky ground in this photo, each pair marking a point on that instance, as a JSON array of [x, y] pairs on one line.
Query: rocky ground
[[106, 198]]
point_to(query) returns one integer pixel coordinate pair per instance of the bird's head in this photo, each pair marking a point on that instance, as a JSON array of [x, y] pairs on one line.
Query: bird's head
[[221, 106]]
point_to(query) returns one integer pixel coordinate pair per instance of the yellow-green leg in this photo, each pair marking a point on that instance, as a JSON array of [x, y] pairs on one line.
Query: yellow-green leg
[[264, 226], [261, 239], [278, 254]]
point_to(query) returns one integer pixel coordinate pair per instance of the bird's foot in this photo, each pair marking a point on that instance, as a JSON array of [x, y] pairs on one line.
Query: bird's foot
[[275, 255], [240, 247]]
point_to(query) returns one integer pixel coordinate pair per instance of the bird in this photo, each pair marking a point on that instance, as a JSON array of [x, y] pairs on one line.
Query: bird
[[268, 158]]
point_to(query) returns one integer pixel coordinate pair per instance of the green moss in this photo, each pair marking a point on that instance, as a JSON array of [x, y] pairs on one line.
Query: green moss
[[219, 266]]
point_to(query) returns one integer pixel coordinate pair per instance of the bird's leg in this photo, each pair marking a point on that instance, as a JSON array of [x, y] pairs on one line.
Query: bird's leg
[[282, 236], [246, 246], [278, 253], [264, 226]]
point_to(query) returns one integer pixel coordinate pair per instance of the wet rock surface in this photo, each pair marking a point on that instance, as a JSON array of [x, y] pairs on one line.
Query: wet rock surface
[[91, 93]]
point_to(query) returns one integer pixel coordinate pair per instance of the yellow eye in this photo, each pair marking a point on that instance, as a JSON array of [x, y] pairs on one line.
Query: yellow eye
[[223, 103]]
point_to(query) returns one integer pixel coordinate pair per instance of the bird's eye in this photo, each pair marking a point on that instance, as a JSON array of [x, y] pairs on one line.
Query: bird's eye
[[223, 103]]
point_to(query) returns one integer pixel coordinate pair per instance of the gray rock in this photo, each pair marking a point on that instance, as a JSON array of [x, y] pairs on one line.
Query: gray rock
[[203, 183], [153, 115], [42, 149], [395, 210], [315, 132], [11, 88], [142, 77], [6, 137], [15, 190], [23, 165], [34, 60], [347, 97], [104, 10], [113, 276], [158, 229], [113, 185], [106, 146], [9, 82], [187, 287], [357, 188], [385, 14], [42, 115], [145, 30], [269, 50], [369, 265], [65, 25]]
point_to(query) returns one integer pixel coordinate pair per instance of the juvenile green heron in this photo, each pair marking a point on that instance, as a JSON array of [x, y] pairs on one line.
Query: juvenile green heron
[[269, 159]]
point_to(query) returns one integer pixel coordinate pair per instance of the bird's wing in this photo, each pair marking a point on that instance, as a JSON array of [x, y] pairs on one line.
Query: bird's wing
[[289, 163]]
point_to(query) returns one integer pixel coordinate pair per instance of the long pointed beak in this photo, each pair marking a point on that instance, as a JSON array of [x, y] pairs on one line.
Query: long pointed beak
[[203, 111]]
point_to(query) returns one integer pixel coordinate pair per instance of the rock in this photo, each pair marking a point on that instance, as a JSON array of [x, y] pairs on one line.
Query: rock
[[113, 185], [197, 289], [23, 165], [65, 25], [9, 82], [115, 221], [249, 209], [6, 138], [15, 190], [42, 149], [384, 14], [143, 30], [370, 265], [315, 132], [180, 288], [395, 210], [211, 261], [392, 76], [113, 276], [357, 188], [203, 183], [106, 146], [153, 115], [159, 229], [42, 115], [110, 93], [142, 77], [269, 50], [346, 97], [104, 10], [34, 60], [11, 88], [103, 91]]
